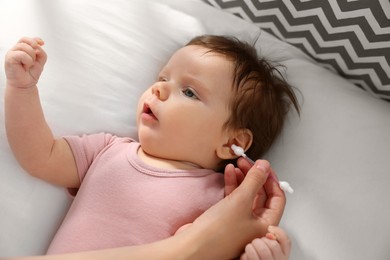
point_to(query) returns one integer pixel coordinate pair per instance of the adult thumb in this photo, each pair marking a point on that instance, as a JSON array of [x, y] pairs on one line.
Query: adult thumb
[[255, 178]]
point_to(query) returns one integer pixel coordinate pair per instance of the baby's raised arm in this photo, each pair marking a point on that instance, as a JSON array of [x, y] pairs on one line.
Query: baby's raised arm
[[29, 136]]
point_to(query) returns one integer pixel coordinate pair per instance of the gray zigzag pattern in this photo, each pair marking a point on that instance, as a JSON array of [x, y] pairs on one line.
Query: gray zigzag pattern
[[369, 6]]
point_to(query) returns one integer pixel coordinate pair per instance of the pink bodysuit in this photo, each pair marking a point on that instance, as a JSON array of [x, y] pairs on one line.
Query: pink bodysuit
[[122, 201]]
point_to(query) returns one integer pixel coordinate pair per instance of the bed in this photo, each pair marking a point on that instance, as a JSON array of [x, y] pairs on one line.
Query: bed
[[103, 54]]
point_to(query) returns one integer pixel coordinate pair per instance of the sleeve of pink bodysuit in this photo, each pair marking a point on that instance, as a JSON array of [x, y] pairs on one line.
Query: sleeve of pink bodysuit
[[85, 148]]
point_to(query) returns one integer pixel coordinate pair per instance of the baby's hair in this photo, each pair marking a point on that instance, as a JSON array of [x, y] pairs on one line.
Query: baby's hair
[[262, 97]]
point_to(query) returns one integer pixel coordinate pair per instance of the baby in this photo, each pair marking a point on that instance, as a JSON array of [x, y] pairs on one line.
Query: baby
[[212, 93]]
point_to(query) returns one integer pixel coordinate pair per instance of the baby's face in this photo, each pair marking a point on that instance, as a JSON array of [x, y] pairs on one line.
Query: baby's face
[[181, 116]]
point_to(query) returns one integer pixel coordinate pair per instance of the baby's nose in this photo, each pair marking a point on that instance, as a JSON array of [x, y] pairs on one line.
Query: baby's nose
[[161, 90]]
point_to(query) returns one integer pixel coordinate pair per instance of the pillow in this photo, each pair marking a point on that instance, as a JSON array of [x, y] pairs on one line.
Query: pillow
[[335, 156], [350, 37]]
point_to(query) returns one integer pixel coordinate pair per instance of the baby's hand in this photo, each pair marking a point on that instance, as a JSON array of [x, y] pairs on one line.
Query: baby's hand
[[274, 246], [24, 63]]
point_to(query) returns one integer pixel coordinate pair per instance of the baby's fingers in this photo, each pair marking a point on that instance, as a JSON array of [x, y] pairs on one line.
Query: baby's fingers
[[19, 58], [33, 42], [27, 52], [23, 53], [257, 250], [278, 234], [41, 56], [31, 46]]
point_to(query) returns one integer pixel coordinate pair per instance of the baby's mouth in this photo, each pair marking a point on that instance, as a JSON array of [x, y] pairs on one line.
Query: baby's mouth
[[147, 110]]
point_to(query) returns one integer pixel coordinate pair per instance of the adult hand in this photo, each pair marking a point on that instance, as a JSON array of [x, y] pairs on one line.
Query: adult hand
[[270, 196], [242, 215]]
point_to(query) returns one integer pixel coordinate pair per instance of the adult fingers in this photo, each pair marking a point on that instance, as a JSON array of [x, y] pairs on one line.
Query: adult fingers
[[239, 175], [255, 179], [276, 198], [231, 182], [233, 178], [244, 165]]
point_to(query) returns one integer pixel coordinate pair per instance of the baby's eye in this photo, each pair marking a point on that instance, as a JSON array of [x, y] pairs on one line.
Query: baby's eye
[[188, 92]]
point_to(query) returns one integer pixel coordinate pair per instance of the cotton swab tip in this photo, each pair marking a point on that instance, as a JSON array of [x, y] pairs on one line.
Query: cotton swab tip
[[238, 150], [285, 186]]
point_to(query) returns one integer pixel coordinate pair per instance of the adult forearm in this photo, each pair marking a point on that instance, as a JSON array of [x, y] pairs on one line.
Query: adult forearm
[[29, 136], [176, 247]]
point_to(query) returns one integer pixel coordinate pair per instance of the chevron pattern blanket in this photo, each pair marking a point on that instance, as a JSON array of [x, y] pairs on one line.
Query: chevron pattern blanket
[[348, 36]]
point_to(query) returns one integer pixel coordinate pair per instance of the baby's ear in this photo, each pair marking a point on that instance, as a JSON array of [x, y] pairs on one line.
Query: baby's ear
[[241, 137]]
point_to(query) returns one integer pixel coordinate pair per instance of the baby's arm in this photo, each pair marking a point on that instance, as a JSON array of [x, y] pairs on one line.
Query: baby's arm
[[29, 136], [274, 246]]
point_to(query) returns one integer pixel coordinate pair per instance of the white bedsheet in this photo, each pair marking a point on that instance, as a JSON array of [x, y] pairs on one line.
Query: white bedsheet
[[103, 54]]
